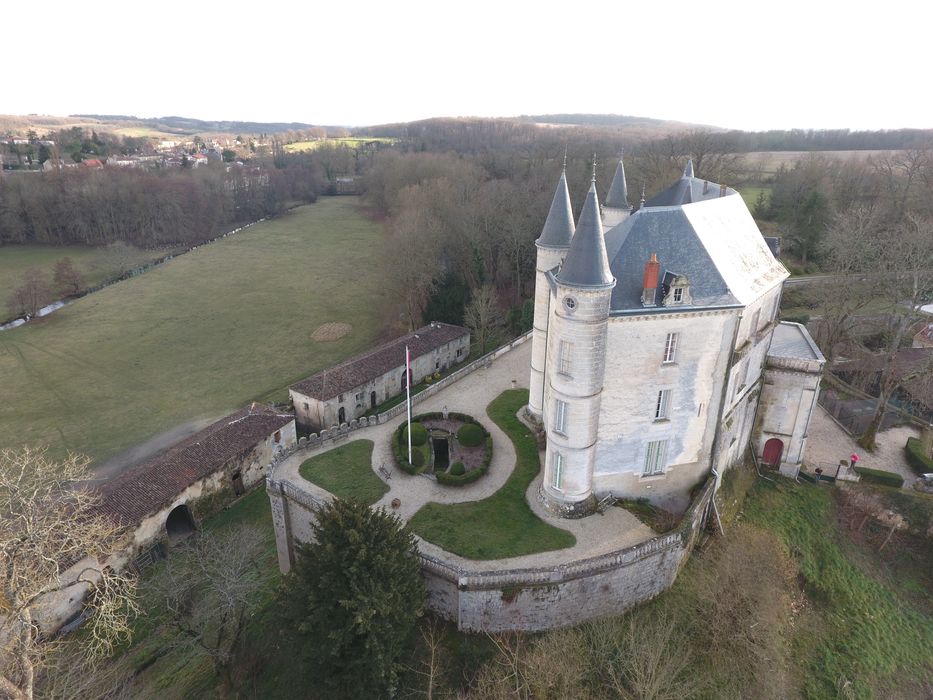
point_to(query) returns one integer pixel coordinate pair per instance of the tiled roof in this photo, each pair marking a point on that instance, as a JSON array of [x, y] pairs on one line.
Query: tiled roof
[[151, 485], [371, 365]]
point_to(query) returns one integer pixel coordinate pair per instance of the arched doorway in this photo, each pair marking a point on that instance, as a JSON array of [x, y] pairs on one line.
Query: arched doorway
[[372, 399], [404, 378], [341, 416], [179, 524], [774, 450]]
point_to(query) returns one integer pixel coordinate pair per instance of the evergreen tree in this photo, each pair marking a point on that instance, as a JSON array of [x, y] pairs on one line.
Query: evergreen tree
[[356, 593]]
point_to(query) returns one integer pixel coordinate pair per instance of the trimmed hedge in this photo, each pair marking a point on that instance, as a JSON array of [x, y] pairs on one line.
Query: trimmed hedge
[[457, 469], [419, 435], [876, 476], [400, 451], [470, 435], [467, 478], [920, 462]]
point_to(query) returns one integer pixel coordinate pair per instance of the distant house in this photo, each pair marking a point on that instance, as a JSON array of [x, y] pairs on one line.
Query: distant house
[[924, 338], [92, 164], [347, 391]]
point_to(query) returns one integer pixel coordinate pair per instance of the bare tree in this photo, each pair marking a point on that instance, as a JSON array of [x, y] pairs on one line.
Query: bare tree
[[482, 315], [31, 296], [68, 280], [53, 540], [209, 588]]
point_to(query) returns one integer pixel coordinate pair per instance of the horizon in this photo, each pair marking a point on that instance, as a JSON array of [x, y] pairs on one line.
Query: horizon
[[801, 66]]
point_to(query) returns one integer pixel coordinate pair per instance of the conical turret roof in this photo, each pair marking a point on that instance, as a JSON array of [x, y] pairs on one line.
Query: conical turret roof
[[586, 264], [618, 191], [688, 168], [558, 227]]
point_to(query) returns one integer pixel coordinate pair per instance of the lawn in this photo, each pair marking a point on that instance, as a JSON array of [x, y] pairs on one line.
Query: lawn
[[868, 635], [196, 337], [95, 264], [346, 472], [502, 525]]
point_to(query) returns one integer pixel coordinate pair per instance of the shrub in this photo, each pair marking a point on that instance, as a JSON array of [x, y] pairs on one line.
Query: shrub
[[457, 469], [470, 435], [419, 435], [877, 476], [400, 451], [453, 480], [417, 458], [919, 461]]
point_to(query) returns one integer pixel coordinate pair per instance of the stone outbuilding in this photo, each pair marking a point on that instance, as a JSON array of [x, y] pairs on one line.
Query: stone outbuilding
[[347, 391], [789, 392], [154, 498]]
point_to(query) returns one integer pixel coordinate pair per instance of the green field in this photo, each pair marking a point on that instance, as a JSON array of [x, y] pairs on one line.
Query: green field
[[502, 525], [346, 472], [351, 141], [198, 336], [94, 264]]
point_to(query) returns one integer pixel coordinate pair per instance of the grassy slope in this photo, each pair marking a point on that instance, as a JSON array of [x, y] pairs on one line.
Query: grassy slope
[[870, 636], [502, 525], [198, 336], [346, 472], [94, 264]]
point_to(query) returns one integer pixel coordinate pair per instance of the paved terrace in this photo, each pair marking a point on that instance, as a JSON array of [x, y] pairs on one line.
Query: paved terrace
[[597, 534]]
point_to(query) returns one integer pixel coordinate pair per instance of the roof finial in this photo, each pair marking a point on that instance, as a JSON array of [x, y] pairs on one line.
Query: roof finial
[[565, 157], [594, 167], [641, 203]]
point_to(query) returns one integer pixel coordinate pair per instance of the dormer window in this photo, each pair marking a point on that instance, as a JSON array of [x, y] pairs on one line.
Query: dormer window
[[676, 289]]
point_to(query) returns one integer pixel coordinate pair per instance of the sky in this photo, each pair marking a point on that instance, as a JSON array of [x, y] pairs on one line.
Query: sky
[[746, 65]]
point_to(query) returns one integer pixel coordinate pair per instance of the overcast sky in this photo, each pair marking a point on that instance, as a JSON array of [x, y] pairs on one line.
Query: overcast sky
[[747, 65]]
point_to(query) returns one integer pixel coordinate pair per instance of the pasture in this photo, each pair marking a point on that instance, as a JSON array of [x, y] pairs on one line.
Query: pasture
[[196, 337], [95, 264], [351, 141]]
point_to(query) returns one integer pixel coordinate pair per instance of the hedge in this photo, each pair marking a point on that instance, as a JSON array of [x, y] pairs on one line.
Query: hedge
[[453, 480], [876, 476], [920, 462], [419, 434], [470, 435], [457, 469], [401, 453]]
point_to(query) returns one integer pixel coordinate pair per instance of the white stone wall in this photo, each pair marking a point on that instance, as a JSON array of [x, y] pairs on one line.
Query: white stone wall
[[635, 373], [547, 259], [317, 415], [788, 399], [584, 330]]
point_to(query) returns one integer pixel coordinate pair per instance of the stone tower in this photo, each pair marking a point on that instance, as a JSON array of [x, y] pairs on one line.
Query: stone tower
[[552, 245], [576, 361], [616, 208]]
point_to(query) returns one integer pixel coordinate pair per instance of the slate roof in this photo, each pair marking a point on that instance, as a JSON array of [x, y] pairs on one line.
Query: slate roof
[[151, 485], [371, 365], [688, 189], [586, 264], [558, 227], [714, 242], [793, 341], [617, 198]]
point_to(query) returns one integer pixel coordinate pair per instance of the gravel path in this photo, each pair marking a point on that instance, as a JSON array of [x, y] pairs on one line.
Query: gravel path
[[598, 534], [827, 443]]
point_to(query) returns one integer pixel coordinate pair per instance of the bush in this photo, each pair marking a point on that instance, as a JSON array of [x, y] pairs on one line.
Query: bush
[[467, 478], [417, 458], [920, 462], [400, 451], [419, 435], [470, 435], [457, 469], [876, 476]]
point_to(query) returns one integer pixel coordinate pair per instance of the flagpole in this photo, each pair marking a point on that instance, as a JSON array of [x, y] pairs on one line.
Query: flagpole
[[408, 396]]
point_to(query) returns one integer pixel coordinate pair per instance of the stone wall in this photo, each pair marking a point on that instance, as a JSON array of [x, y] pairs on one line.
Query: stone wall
[[528, 599]]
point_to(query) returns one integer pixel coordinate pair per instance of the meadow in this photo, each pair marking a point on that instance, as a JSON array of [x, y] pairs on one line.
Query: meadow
[[95, 264], [196, 337], [350, 141]]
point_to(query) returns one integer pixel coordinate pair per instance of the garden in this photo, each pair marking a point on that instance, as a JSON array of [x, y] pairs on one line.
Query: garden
[[452, 447]]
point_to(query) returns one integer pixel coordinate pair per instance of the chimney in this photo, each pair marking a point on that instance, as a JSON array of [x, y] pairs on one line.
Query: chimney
[[722, 190], [705, 186], [650, 286]]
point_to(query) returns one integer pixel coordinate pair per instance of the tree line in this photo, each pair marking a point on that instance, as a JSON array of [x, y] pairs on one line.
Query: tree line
[[150, 208]]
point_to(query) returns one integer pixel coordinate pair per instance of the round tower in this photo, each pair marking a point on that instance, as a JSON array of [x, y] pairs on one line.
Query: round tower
[[576, 362], [552, 246], [616, 208]]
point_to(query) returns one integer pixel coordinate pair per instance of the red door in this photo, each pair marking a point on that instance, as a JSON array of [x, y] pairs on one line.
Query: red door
[[774, 448]]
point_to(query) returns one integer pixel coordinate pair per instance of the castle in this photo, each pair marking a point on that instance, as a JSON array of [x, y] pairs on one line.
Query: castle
[[650, 349]]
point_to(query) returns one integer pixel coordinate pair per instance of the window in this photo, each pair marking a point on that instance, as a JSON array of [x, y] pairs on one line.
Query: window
[[655, 458], [340, 399], [359, 397], [662, 409], [560, 417], [563, 357], [307, 407], [558, 472], [678, 294], [670, 348], [459, 352]]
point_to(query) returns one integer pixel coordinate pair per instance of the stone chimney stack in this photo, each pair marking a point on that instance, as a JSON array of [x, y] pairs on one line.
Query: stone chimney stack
[[650, 286]]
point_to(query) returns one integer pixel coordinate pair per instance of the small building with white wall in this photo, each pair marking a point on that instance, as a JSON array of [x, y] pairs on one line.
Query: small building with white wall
[[347, 391]]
